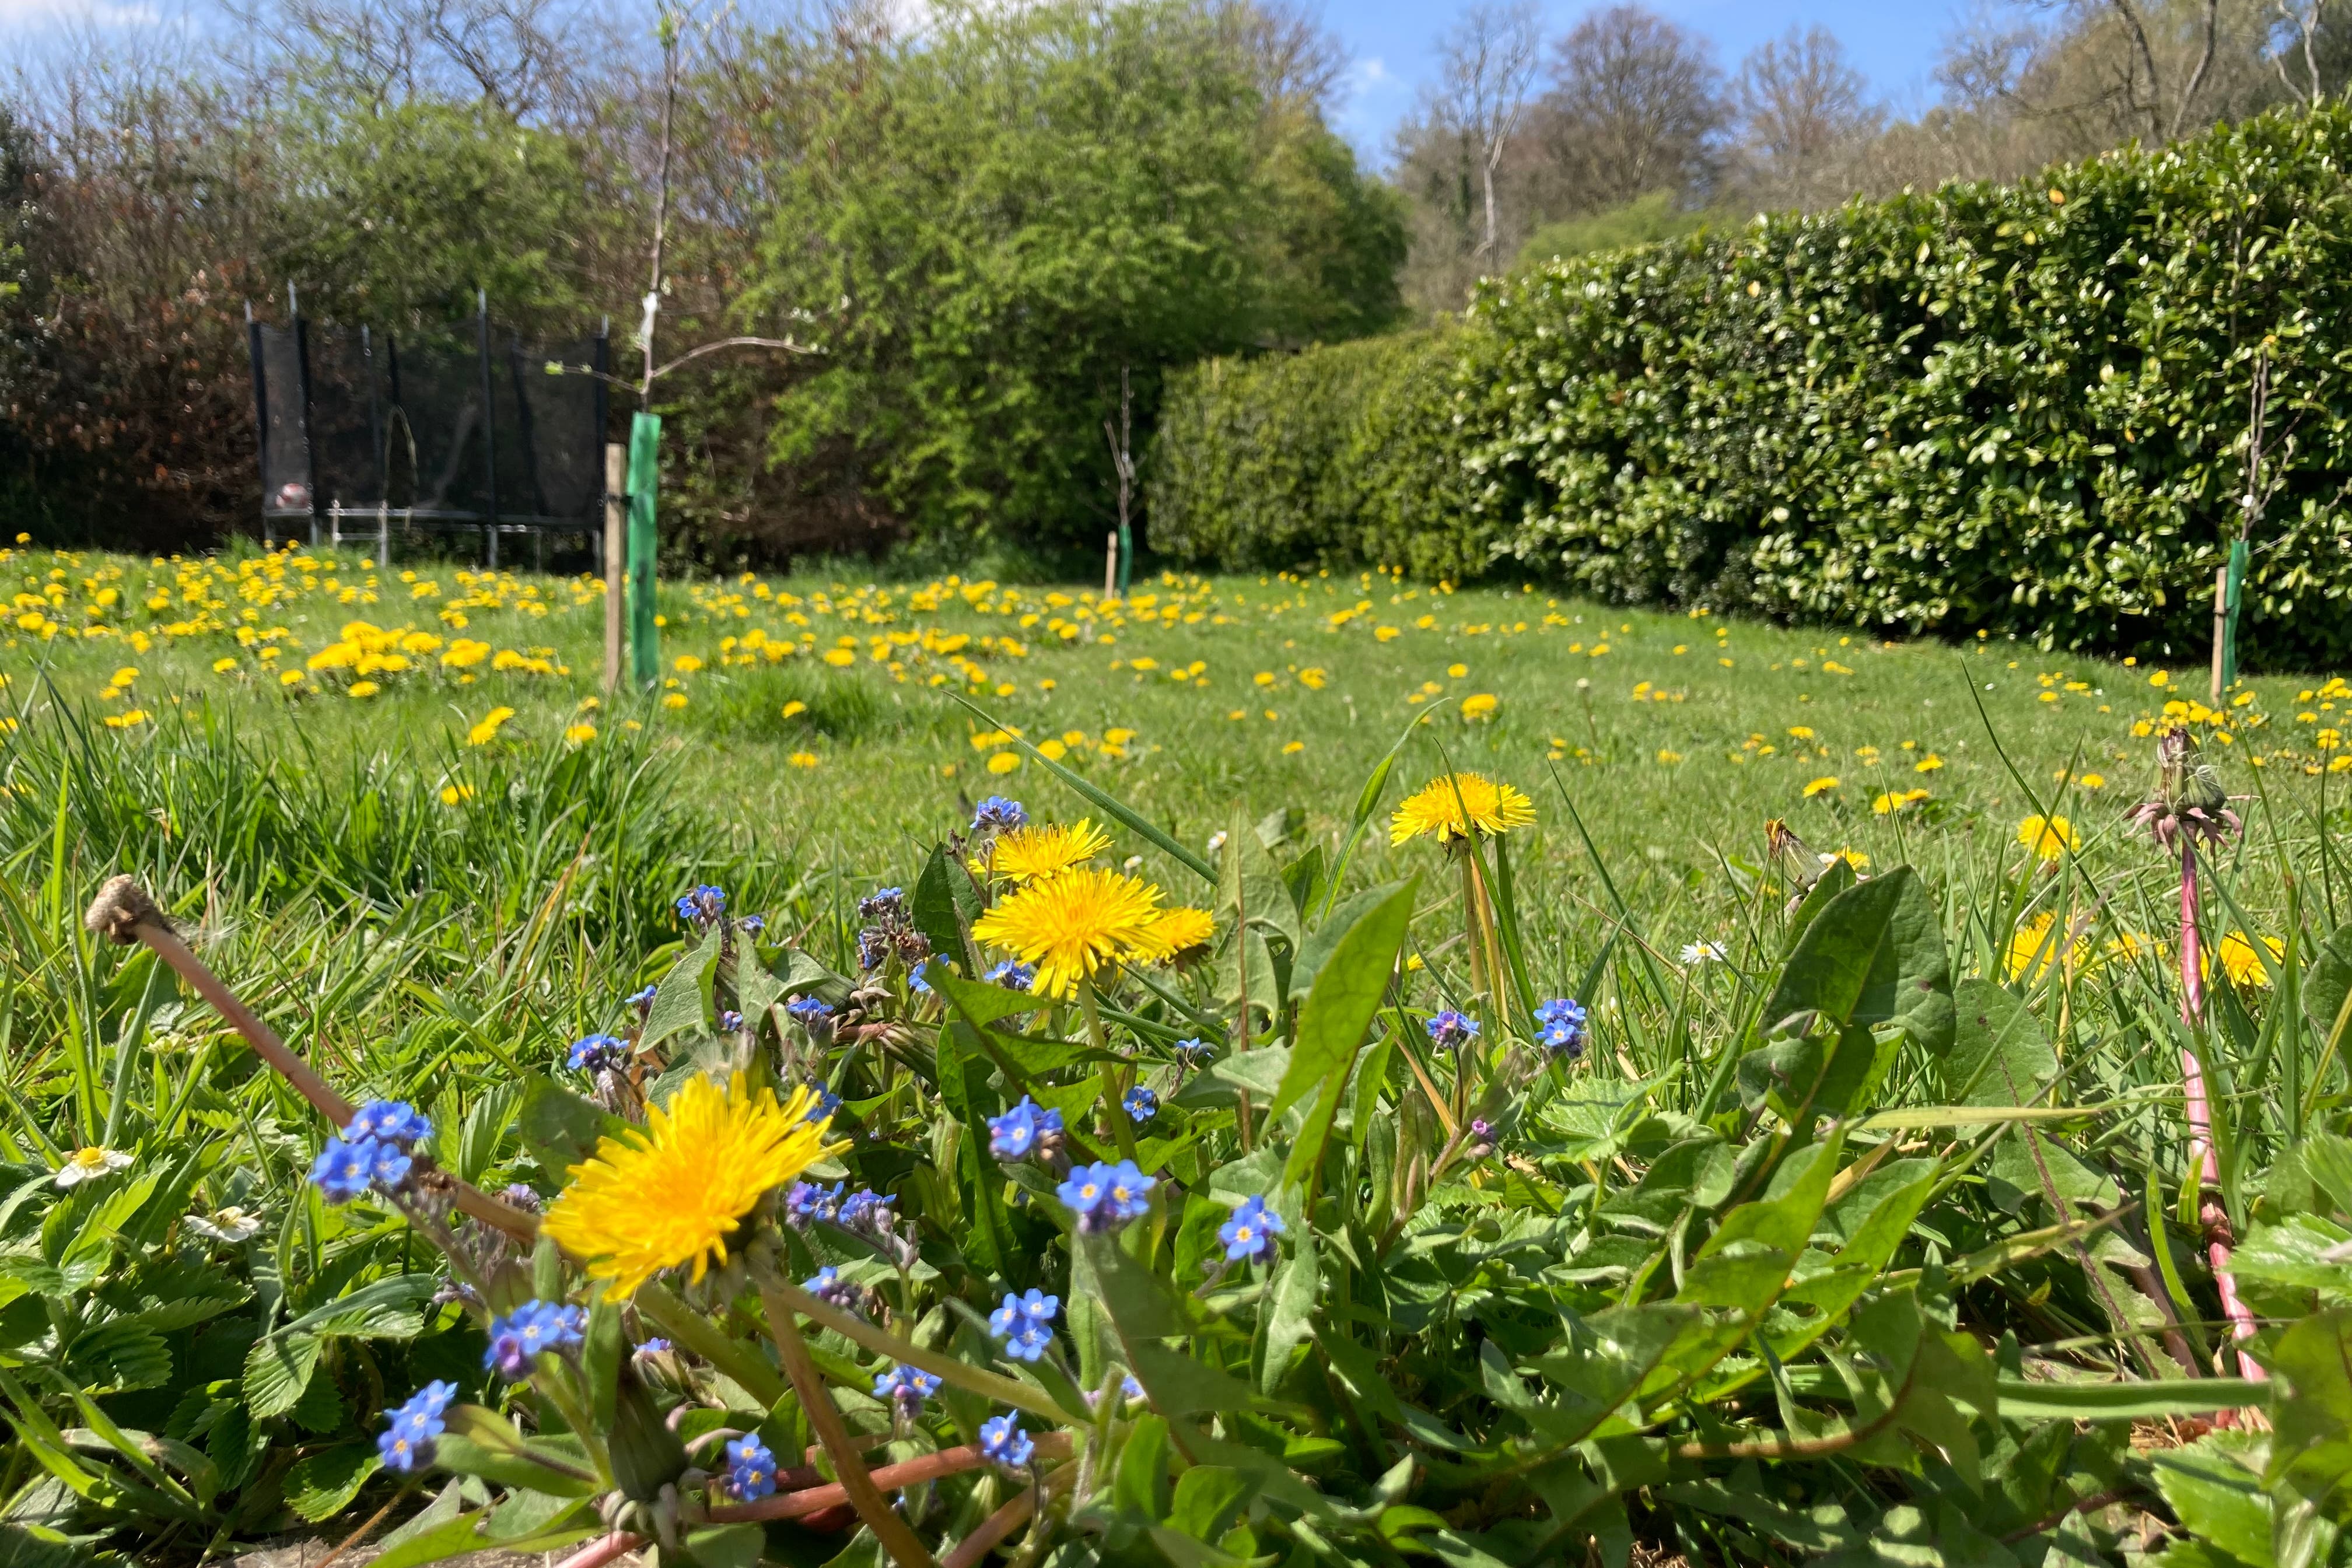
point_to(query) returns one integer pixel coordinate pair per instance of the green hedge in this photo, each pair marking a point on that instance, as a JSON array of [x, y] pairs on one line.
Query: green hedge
[[2008, 408]]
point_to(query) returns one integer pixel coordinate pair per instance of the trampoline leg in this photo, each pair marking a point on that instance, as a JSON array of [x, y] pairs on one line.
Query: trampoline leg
[[538, 549], [490, 541], [383, 536]]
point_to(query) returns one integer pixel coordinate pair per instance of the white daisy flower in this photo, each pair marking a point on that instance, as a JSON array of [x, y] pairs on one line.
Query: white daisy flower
[[231, 1225], [89, 1164], [1701, 953]]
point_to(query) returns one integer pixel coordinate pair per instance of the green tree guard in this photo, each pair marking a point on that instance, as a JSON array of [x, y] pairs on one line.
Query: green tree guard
[[644, 478], [2231, 599]]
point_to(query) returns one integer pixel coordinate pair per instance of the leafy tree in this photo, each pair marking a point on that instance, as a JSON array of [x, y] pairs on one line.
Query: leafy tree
[[399, 214], [984, 226]]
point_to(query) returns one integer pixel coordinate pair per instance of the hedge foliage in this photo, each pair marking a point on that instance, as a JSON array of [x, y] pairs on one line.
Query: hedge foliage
[[2008, 408]]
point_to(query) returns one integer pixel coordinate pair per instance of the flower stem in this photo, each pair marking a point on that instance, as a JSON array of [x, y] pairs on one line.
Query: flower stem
[[2204, 1167], [858, 1486], [1115, 1084]]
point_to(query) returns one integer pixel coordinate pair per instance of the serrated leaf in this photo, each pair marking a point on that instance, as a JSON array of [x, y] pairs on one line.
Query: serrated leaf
[[323, 1485], [276, 1370], [118, 1355]]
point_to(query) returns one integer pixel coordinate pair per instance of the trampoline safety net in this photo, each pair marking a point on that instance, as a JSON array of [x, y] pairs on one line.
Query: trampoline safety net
[[424, 431]]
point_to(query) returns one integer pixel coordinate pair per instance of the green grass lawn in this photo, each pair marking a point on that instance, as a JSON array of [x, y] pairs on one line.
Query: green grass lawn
[[1675, 736], [397, 813]]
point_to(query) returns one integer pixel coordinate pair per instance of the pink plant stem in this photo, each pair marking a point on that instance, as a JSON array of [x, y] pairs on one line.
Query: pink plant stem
[[2211, 1215], [598, 1552]]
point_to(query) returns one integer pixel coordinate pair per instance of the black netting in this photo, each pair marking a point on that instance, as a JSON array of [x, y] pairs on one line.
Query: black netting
[[436, 433], [285, 452], [549, 436], [346, 418], [399, 422]]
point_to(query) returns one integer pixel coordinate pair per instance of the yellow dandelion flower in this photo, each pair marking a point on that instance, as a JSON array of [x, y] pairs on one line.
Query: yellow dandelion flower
[[795, 708], [2049, 837], [1928, 765], [2093, 781], [674, 702], [2243, 966], [1822, 786], [840, 658], [1003, 762], [365, 688], [2037, 944], [1074, 925], [1479, 705], [1034, 853], [673, 1194], [222, 666], [452, 793], [136, 717], [579, 734], [1178, 931], [1440, 807], [686, 664], [483, 733], [803, 760]]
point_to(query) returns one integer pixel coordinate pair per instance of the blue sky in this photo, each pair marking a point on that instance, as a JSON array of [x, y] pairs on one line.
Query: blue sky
[[1394, 42], [1394, 46]]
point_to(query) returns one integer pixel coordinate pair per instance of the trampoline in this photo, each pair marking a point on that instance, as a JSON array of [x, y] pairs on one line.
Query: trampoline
[[365, 435]]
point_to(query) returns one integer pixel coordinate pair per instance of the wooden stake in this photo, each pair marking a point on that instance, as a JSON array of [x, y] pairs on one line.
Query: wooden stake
[[2220, 628], [616, 555], [1110, 567]]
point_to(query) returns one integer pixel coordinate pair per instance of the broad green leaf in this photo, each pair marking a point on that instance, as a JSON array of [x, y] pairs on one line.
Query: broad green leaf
[[561, 1129], [2311, 1446], [389, 1308], [276, 1370], [2217, 1499], [1290, 1321], [1208, 1498], [1873, 957], [1346, 994], [682, 1002], [2327, 988], [2328, 1160], [118, 1355], [322, 1484], [937, 913], [1192, 1387], [2299, 1250], [1141, 1485], [1999, 1056], [980, 1003]]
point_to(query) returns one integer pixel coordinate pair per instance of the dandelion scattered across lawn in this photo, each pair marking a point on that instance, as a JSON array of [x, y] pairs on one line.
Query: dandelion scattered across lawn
[[2050, 838]]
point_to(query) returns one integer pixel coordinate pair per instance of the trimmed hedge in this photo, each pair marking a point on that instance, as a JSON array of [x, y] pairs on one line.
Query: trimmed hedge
[[2006, 407]]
